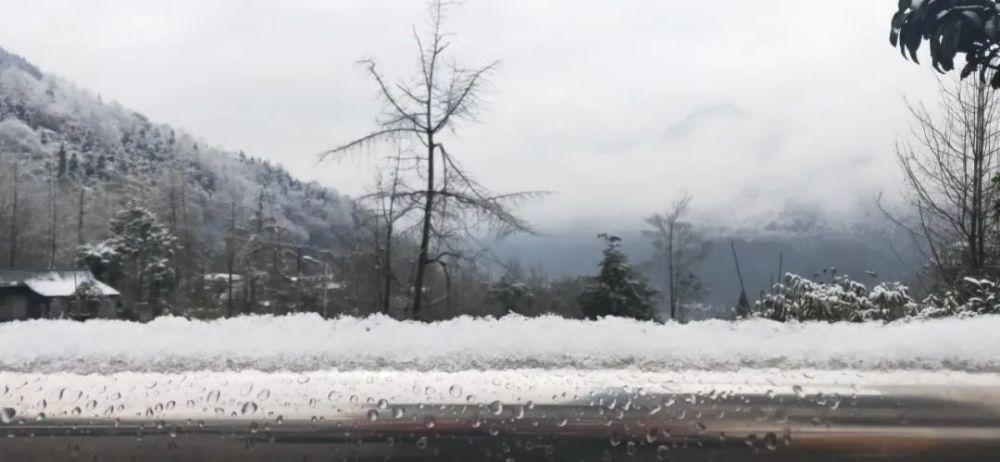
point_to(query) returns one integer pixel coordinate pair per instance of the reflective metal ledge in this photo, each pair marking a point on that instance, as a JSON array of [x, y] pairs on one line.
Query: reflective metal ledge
[[521, 415]]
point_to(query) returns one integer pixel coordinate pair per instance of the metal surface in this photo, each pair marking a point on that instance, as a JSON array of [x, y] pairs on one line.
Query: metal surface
[[503, 415]]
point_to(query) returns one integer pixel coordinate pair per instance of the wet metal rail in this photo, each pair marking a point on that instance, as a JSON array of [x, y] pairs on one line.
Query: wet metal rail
[[502, 415]]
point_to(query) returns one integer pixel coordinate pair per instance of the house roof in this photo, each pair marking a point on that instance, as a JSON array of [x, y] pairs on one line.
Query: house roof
[[55, 283]]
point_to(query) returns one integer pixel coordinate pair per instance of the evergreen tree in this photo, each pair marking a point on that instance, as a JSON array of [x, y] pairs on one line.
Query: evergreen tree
[[138, 252], [618, 290], [511, 294]]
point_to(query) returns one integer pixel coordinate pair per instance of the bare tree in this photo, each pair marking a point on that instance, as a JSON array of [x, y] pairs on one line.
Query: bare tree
[[422, 108], [678, 248], [948, 171], [382, 214]]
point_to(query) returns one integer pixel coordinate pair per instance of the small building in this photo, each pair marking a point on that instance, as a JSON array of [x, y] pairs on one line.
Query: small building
[[49, 294]]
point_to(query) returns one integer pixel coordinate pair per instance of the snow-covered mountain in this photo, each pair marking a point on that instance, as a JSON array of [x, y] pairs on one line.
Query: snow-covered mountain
[[98, 155]]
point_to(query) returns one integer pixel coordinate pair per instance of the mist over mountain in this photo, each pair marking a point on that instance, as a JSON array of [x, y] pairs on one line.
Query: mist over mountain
[[802, 240]]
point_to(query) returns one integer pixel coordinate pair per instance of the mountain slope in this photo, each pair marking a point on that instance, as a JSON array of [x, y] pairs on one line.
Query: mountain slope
[[78, 159]]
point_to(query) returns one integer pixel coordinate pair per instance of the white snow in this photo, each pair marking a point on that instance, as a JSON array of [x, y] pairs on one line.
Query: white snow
[[222, 277], [66, 284], [307, 343]]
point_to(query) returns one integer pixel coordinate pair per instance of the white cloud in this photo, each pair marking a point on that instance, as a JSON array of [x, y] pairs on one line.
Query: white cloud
[[581, 105]]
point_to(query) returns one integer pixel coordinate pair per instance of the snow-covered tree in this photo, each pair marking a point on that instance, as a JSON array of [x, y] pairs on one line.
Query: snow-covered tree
[[138, 251], [618, 289], [511, 294]]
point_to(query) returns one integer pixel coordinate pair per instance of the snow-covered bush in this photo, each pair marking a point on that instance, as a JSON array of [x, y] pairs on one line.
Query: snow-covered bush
[[799, 299], [975, 297]]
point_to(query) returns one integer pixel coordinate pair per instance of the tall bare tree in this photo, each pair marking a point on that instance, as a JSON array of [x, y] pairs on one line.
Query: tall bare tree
[[948, 169], [678, 248], [423, 108]]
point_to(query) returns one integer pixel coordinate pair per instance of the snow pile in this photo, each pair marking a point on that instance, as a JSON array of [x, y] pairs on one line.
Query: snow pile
[[308, 343]]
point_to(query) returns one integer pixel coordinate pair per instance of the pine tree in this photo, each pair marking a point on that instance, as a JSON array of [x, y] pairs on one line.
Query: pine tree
[[618, 290], [139, 250]]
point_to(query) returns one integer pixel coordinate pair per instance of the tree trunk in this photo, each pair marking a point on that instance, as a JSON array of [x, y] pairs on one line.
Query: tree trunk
[[671, 283], [425, 234], [14, 219], [79, 218]]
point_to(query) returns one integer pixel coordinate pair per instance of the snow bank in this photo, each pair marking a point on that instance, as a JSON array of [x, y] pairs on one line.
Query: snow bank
[[308, 343]]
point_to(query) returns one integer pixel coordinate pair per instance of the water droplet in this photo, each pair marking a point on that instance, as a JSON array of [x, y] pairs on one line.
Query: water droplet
[[422, 443], [253, 427], [616, 439], [213, 396], [799, 392], [312, 402], [7, 415], [496, 408], [663, 452], [263, 394], [771, 441], [630, 448], [455, 391], [354, 399], [76, 411], [372, 415], [249, 407], [280, 419], [382, 404], [171, 405], [770, 394], [429, 421], [246, 389], [397, 412]]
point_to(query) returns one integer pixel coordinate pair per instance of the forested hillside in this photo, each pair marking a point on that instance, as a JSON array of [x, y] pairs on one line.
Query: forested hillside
[[70, 161]]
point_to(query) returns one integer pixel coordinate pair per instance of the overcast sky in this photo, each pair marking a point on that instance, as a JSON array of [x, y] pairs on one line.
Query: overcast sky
[[616, 106]]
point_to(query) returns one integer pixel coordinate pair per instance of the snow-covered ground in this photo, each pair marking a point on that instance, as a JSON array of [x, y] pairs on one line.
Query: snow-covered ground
[[304, 343]]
